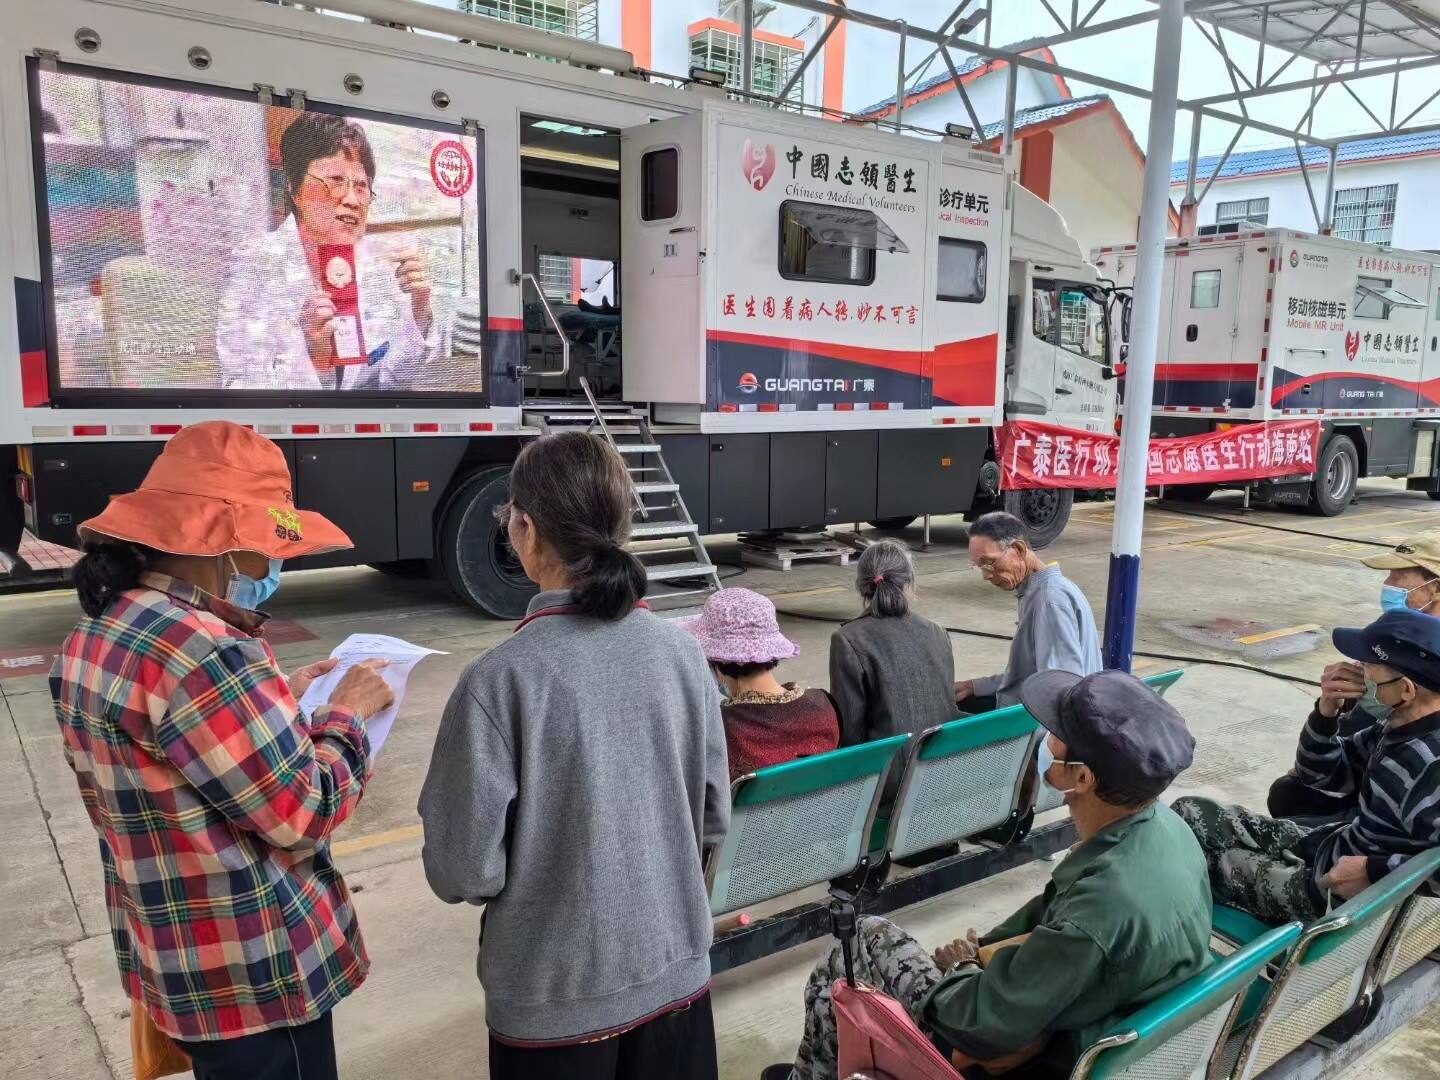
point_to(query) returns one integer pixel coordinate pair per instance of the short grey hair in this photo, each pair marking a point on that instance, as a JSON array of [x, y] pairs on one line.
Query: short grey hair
[[998, 526], [883, 574]]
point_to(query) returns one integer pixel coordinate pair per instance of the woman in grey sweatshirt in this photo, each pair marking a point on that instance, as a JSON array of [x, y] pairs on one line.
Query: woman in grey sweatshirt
[[579, 772]]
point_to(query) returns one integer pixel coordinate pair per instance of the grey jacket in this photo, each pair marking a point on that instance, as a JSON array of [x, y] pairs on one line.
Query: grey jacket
[[1054, 631], [579, 768], [891, 676]]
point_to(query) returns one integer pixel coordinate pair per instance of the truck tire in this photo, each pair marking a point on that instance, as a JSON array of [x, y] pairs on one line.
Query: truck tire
[[474, 552], [894, 523], [1336, 474], [1043, 511], [1190, 493]]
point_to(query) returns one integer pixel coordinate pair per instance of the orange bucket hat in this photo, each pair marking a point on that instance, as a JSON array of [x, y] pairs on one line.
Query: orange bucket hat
[[217, 487]]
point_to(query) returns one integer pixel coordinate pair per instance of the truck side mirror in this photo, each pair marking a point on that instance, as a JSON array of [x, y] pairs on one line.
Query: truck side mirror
[[1107, 373]]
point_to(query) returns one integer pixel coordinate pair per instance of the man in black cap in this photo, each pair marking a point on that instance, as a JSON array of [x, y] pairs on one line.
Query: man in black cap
[[1278, 870], [1125, 917]]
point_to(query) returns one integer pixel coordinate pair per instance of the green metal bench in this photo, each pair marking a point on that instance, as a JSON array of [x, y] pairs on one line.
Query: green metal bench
[[1331, 969], [966, 777], [798, 824], [1180, 1033]]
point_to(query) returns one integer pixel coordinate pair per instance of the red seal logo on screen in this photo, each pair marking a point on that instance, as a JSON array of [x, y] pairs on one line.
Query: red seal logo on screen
[[758, 162], [452, 168], [748, 383], [1352, 344]]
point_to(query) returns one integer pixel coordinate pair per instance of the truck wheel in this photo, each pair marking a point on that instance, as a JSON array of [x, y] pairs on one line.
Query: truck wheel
[[894, 523], [474, 552], [1190, 493], [1043, 511], [1336, 474]]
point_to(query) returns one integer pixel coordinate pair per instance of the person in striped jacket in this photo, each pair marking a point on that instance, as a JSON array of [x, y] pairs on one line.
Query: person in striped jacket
[[1278, 870]]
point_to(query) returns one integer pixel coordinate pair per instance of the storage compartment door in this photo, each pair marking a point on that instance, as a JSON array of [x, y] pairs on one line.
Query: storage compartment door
[[351, 482], [1198, 363], [662, 224]]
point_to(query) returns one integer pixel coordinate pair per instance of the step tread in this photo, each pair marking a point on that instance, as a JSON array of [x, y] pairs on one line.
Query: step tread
[[651, 529], [655, 487], [679, 570], [637, 448]]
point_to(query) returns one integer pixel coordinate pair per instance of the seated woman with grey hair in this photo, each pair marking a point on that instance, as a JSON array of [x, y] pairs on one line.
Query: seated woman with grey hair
[[891, 670]]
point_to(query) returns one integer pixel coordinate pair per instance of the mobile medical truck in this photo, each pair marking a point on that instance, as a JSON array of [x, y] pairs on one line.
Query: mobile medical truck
[[1266, 324], [401, 255]]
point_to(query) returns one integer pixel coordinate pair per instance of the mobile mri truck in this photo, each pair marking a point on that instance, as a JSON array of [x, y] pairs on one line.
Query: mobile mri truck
[[800, 322], [1269, 324]]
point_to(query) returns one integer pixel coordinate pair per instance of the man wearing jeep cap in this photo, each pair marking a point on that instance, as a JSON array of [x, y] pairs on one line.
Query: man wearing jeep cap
[[1125, 917], [1413, 581]]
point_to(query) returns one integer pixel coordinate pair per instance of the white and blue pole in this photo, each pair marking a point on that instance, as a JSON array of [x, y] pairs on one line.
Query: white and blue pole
[[1124, 589]]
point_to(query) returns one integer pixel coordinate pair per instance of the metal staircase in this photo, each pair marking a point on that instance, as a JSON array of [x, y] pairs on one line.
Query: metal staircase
[[681, 573]]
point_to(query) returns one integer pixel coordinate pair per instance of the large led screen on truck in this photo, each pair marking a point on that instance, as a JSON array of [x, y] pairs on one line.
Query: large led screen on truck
[[205, 243]]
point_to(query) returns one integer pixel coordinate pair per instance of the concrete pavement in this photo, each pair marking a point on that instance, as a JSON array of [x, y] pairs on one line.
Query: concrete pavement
[[1206, 584]]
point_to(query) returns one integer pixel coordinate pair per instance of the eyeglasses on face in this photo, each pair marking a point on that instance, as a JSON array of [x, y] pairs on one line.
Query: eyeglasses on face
[[337, 186]]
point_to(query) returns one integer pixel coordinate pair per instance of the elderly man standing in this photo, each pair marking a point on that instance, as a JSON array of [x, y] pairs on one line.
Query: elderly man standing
[[1278, 870], [1125, 917], [1413, 582], [1055, 629]]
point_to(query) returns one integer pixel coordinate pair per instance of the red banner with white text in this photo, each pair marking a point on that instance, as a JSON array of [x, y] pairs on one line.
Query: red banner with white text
[[1044, 456]]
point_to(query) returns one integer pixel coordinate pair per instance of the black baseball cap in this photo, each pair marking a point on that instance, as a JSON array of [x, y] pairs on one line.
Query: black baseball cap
[[1404, 640], [1130, 737]]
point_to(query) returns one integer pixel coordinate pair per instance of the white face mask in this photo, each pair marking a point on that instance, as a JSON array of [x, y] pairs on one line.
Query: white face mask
[[1043, 760]]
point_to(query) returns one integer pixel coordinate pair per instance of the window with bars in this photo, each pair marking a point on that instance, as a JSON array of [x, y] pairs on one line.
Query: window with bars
[[556, 274], [1256, 210], [575, 18], [717, 49], [1366, 214]]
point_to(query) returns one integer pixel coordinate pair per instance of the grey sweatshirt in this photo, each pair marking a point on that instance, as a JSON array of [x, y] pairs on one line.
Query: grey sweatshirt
[[579, 767], [1054, 631]]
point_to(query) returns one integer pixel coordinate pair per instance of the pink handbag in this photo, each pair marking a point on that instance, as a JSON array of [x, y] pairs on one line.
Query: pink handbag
[[878, 1039]]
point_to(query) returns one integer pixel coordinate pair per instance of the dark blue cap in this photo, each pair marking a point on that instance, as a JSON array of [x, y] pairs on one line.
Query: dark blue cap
[[1404, 640]]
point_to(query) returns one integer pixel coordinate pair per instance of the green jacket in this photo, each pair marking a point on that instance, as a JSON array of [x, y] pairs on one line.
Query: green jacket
[[1125, 917]]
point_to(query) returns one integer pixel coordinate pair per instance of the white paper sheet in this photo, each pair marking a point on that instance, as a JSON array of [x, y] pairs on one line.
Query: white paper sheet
[[403, 657]]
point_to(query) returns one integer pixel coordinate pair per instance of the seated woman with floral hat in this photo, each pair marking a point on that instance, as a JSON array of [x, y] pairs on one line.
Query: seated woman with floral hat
[[767, 722]]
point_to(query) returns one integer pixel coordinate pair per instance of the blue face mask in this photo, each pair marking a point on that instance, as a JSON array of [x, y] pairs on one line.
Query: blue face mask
[[245, 592], [1043, 760], [1394, 598]]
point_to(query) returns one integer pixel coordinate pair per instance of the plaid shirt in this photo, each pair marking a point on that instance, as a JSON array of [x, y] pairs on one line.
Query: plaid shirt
[[213, 796]]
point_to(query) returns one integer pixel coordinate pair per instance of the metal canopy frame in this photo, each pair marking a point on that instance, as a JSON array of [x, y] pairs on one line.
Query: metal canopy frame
[[1346, 42]]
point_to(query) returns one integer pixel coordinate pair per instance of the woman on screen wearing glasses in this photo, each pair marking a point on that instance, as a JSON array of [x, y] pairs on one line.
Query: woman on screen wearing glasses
[[283, 321]]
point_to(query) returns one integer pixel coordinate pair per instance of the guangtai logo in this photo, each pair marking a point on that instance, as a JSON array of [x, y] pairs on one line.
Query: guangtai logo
[[758, 164], [1294, 258], [748, 383]]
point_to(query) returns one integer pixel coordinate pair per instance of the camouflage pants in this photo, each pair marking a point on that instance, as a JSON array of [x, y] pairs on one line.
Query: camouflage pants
[[886, 958], [1251, 860]]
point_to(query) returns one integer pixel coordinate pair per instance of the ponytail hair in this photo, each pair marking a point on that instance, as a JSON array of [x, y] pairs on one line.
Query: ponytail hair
[[577, 491], [882, 577], [105, 570]]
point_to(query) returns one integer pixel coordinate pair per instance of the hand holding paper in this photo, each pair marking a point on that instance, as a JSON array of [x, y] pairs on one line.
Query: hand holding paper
[[369, 675]]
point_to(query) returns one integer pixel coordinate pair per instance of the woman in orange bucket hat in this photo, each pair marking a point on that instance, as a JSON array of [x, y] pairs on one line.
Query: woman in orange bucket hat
[[212, 793]]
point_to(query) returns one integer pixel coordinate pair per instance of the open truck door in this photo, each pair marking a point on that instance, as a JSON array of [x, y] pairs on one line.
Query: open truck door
[[662, 245]]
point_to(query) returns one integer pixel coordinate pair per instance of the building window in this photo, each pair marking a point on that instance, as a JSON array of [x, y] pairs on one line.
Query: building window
[[1253, 210], [1205, 289], [821, 243], [574, 18], [962, 271], [1366, 214], [715, 46], [660, 184]]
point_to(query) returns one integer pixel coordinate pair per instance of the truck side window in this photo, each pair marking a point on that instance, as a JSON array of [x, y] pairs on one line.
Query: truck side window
[[1205, 289], [822, 243], [961, 274], [1375, 297], [1082, 325], [1042, 302], [660, 184]]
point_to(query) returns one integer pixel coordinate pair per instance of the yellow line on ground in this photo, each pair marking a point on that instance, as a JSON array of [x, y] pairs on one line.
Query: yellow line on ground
[[374, 840], [1271, 635]]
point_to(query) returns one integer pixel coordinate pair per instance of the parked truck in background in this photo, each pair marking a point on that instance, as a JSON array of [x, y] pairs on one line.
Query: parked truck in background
[[1267, 324]]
